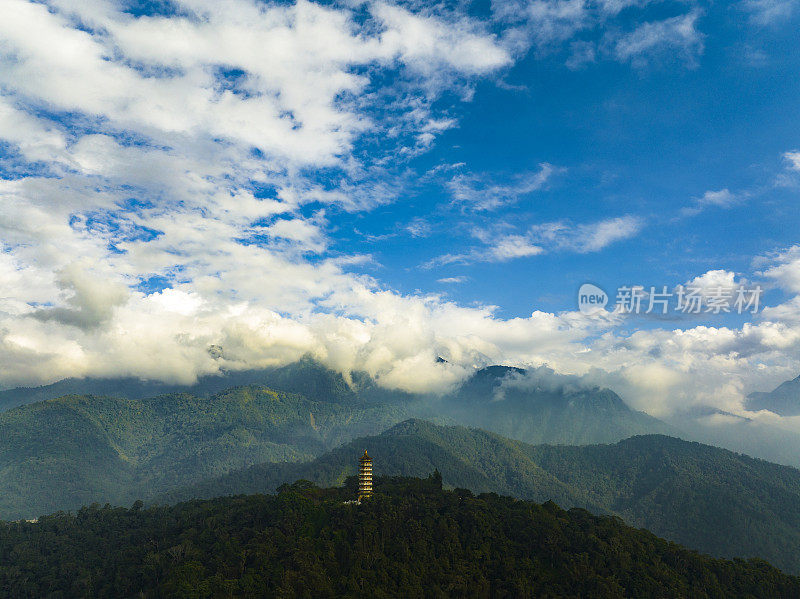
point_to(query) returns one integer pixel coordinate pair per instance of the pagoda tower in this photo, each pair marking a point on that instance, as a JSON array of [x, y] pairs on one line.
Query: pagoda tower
[[365, 476]]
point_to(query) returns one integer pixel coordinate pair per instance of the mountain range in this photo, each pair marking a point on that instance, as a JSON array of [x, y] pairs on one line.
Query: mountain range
[[540, 438], [62, 452], [535, 406], [703, 497]]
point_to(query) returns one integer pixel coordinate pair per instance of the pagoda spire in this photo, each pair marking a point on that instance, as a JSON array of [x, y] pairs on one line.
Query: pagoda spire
[[364, 476]]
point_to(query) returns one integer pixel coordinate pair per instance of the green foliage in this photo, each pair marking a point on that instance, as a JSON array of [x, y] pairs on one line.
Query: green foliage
[[703, 497], [410, 540], [75, 450], [534, 414], [72, 451]]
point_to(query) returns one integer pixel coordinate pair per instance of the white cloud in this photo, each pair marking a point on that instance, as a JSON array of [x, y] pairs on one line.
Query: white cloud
[[154, 133], [452, 280], [509, 247], [769, 12], [793, 159], [543, 23], [582, 53], [424, 43], [178, 148], [36, 139], [588, 237], [784, 268], [594, 237], [722, 198], [501, 246], [674, 36], [418, 228], [713, 279], [479, 192], [553, 26], [613, 7]]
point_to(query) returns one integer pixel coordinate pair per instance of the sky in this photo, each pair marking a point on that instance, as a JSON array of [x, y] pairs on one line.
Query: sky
[[190, 187]]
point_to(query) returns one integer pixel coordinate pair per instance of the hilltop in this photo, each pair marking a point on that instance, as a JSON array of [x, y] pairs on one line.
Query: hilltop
[[704, 497], [412, 539]]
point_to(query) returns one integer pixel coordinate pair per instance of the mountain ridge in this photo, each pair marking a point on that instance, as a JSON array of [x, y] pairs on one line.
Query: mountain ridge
[[784, 400], [707, 498]]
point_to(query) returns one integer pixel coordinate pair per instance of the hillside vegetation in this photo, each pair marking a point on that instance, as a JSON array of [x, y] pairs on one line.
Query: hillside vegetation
[[706, 498], [412, 539], [76, 450]]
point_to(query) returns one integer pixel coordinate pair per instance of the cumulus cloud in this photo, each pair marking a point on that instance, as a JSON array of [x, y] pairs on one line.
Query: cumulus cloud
[[171, 184], [185, 161], [784, 268]]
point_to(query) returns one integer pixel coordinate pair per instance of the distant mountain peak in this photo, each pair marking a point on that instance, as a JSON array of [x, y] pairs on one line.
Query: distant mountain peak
[[784, 400], [498, 371]]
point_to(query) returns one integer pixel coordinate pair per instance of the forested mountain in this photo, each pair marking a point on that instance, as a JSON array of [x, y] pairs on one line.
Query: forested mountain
[[62, 453], [509, 401], [469, 458], [412, 539], [498, 398], [739, 434], [543, 409], [67, 452], [305, 377], [707, 498], [783, 400]]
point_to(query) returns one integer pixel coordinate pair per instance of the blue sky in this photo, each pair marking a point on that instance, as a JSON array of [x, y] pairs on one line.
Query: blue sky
[[647, 141], [378, 184]]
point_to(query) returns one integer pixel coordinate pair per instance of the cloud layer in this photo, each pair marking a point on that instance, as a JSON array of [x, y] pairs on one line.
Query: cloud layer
[[169, 184]]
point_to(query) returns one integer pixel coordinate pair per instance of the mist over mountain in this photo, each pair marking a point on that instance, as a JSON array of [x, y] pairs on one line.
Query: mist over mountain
[[783, 400], [540, 406], [305, 376], [738, 433], [66, 452], [535, 406]]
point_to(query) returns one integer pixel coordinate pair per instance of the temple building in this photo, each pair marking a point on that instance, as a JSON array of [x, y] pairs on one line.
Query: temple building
[[364, 477]]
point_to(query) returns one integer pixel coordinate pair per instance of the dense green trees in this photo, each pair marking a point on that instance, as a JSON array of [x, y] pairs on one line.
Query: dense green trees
[[76, 450], [704, 497], [68, 452], [411, 539]]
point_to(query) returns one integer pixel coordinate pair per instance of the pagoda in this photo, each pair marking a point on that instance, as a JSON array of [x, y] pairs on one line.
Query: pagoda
[[364, 477]]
